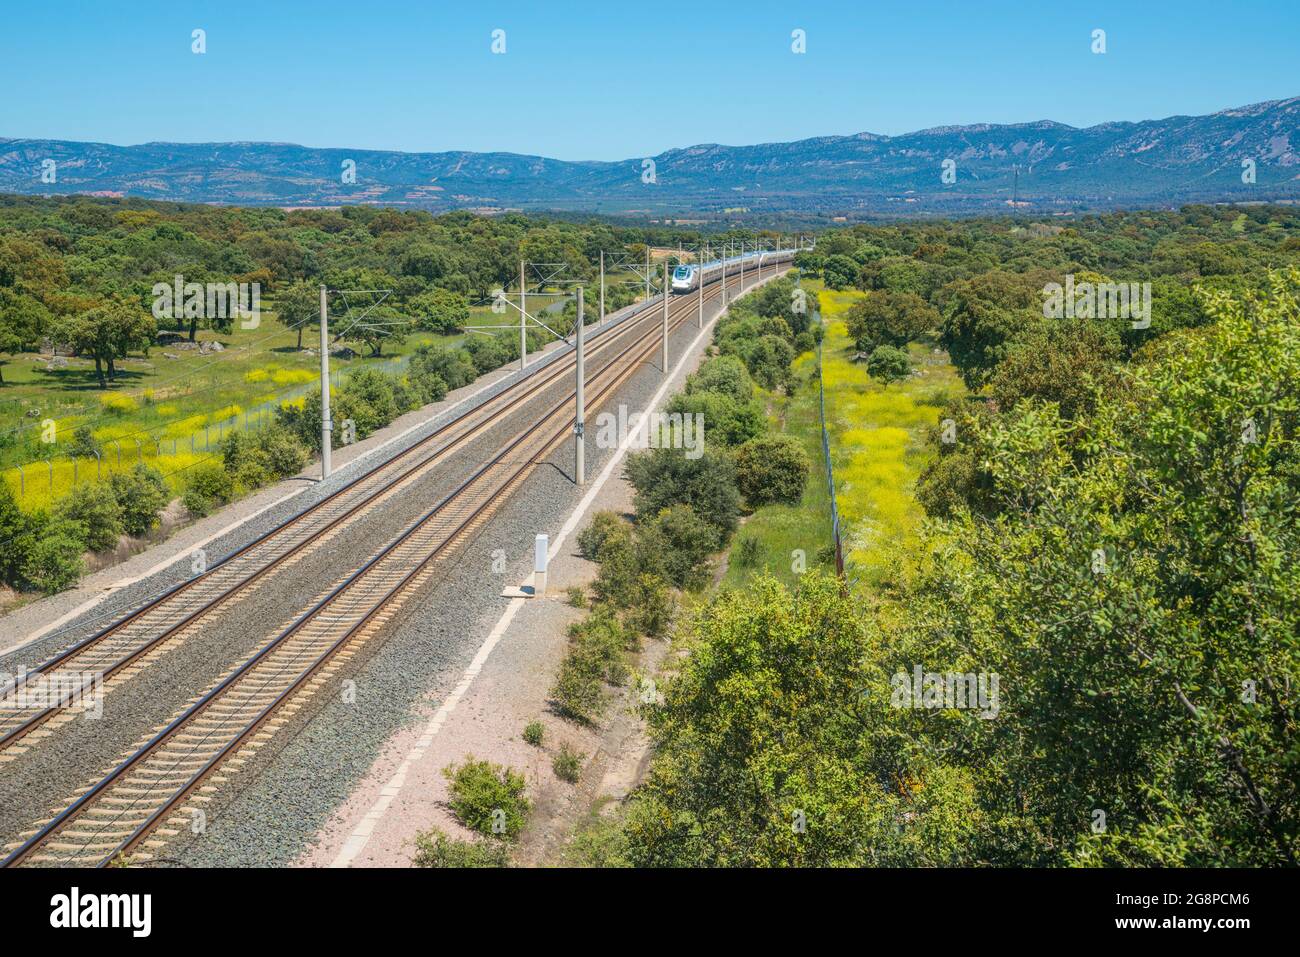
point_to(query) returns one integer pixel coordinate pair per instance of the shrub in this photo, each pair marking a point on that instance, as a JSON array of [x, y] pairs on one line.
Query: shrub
[[577, 692], [487, 353], [577, 598], [747, 551], [433, 848], [208, 485], [427, 386], [601, 526], [725, 375], [83, 444], [256, 457], [726, 421], [595, 656], [142, 494], [567, 763], [285, 455], [651, 606], [95, 507], [687, 543], [54, 559], [17, 534], [626, 554], [888, 364], [488, 798], [452, 366], [771, 469], [665, 477], [369, 400], [534, 732]]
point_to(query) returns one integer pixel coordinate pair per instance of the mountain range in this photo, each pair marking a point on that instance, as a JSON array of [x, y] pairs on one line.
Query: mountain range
[[1042, 166]]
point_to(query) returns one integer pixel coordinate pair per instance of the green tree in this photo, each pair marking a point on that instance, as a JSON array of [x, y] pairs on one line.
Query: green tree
[[22, 320], [772, 468], [96, 508], [142, 494], [106, 333], [663, 478], [889, 364], [440, 311], [889, 319], [839, 271], [298, 307]]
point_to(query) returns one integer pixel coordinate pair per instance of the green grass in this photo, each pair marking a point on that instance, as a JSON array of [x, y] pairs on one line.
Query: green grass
[[877, 448], [877, 435], [783, 530], [155, 399]]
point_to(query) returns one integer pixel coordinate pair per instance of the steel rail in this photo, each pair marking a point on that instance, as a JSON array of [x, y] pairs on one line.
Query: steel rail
[[12, 730], [476, 511]]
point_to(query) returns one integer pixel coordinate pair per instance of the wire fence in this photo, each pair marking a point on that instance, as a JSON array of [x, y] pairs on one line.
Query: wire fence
[[830, 467]]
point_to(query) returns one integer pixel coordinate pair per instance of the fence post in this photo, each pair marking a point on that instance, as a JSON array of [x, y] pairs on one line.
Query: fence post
[[22, 483], [99, 466]]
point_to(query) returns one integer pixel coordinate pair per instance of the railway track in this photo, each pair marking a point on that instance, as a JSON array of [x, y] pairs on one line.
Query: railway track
[[140, 638], [142, 802]]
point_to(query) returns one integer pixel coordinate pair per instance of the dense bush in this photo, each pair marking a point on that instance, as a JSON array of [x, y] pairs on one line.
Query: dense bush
[[663, 478], [207, 486], [889, 364], [686, 542], [433, 848], [596, 656], [725, 375], [17, 533], [488, 798], [255, 457], [53, 560], [97, 510], [452, 366], [726, 421], [592, 537], [772, 468], [142, 494]]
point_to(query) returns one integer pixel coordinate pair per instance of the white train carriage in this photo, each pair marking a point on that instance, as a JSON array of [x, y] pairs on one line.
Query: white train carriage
[[686, 277]]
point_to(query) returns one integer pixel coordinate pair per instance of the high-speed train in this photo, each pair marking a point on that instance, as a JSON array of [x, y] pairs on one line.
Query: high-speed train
[[686, 278]]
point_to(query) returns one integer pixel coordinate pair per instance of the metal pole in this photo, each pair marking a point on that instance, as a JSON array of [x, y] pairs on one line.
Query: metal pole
[[742, 267], [580, 418], [664, 353], [647, 272], [326, 426], [725, 250], [523, 319], [602, 288], [699, 275]]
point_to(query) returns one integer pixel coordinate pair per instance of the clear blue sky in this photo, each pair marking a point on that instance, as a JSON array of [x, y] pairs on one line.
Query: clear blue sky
[[616, 80]]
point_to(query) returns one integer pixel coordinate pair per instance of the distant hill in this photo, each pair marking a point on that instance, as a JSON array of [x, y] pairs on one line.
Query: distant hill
[[1154, 162]]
